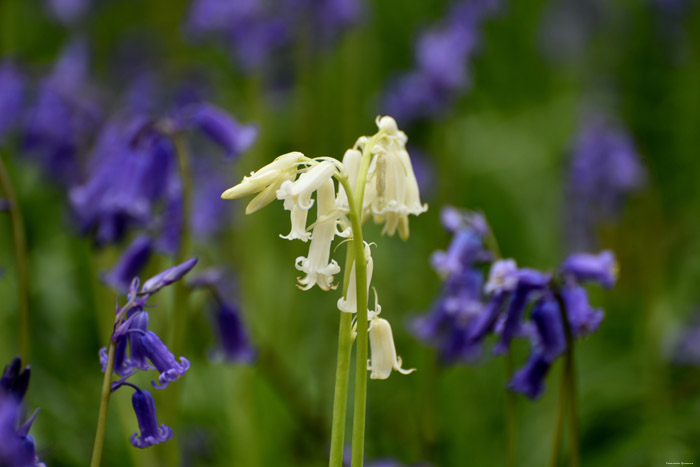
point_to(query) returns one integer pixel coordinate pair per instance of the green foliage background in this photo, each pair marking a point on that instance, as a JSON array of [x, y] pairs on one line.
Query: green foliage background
[[502, 149]]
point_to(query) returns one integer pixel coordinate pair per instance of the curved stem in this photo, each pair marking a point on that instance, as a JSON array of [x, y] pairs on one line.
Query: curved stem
[[104, 406], [342, 373], [19, 239], [570, 378]]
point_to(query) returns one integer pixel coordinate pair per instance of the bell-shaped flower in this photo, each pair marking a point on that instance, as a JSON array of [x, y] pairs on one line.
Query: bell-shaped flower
[[164, 361], [351, 166], [233, 338], [318, 266], [130, 264], [551, 339], [503, 277], [601, 268], [266, 181], [15, 380], [348, 304], [383, 358], [145, 410], [583, 318]]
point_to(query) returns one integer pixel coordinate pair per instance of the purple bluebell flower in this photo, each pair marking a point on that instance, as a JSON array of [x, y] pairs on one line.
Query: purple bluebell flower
[[126, 364], [466, 249], [132, 260], [167, 277], [219, 127], [63, 117], [151, 433], [442, 56], [601, 268], [551, 340], [15, 380], [529, 281], [164, 361], [233, 337], [529, 380], [12, 87], [583, 318], [605, 168]]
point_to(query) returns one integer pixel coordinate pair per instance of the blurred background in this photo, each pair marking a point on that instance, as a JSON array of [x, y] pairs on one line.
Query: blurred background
[[572, 125]]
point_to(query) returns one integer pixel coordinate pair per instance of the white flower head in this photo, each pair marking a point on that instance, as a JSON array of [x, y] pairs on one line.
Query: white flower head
[[383, 358], [319, 270], [503, 277], [266, 181], [348, 304], [351, 166]]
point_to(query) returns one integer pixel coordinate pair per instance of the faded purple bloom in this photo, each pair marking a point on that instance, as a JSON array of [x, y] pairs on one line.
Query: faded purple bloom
[[12, 87], [15, 380], [601, 268], [466, 249], [442, 57], [64, 116], [164, 361], [151, 433], [167, 277], [529, 380], [583, 318], [233, 338], [605, 168], [67, 11], [132, 260], [219, 127], [503, 277], [455, 219]]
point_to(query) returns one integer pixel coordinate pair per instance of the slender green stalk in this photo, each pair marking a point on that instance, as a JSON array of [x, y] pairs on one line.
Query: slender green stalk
[[570, 378], [510, 415], [104, 406], [19, 239], [342, 373], [559, 423]]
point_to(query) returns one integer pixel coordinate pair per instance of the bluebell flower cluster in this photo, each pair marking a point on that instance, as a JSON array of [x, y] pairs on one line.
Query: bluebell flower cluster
[[442, 56], [255, 31], [17, 447], [139, 349], [471, 308], [461, 303], [605, 168]]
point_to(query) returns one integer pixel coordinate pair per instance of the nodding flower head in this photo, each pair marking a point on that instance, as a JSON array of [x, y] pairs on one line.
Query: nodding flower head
[[151, 433], [162, 359], [601, 268], [383, 358], [529, 380], [348, 304], [503, 277], [266, 181]]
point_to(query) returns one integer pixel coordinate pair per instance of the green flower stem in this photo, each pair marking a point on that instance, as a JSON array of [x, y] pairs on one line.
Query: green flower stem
[[510, 415], [342, 372], [104, 406], [570, 378], [20, 246], [559, 424]]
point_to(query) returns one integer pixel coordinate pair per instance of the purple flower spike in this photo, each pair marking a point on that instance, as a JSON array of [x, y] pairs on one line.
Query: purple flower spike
[[221, 128], [130, 264], [550, 332], [601, 268], [232, 335], [15, 380], [12, 85], [167, 277], [151, 433], [529, 380], [163, 360]]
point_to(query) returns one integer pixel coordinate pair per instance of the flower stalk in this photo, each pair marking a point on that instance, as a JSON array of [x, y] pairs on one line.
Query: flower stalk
[[19, 239], [105, 393]]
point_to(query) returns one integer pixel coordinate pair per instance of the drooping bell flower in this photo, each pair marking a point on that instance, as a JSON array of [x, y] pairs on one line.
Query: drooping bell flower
[[583, 267], [167, 277], [132, 260], [529, 380], [164, 361], [232, 335], [145, 410], [383, 357]]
